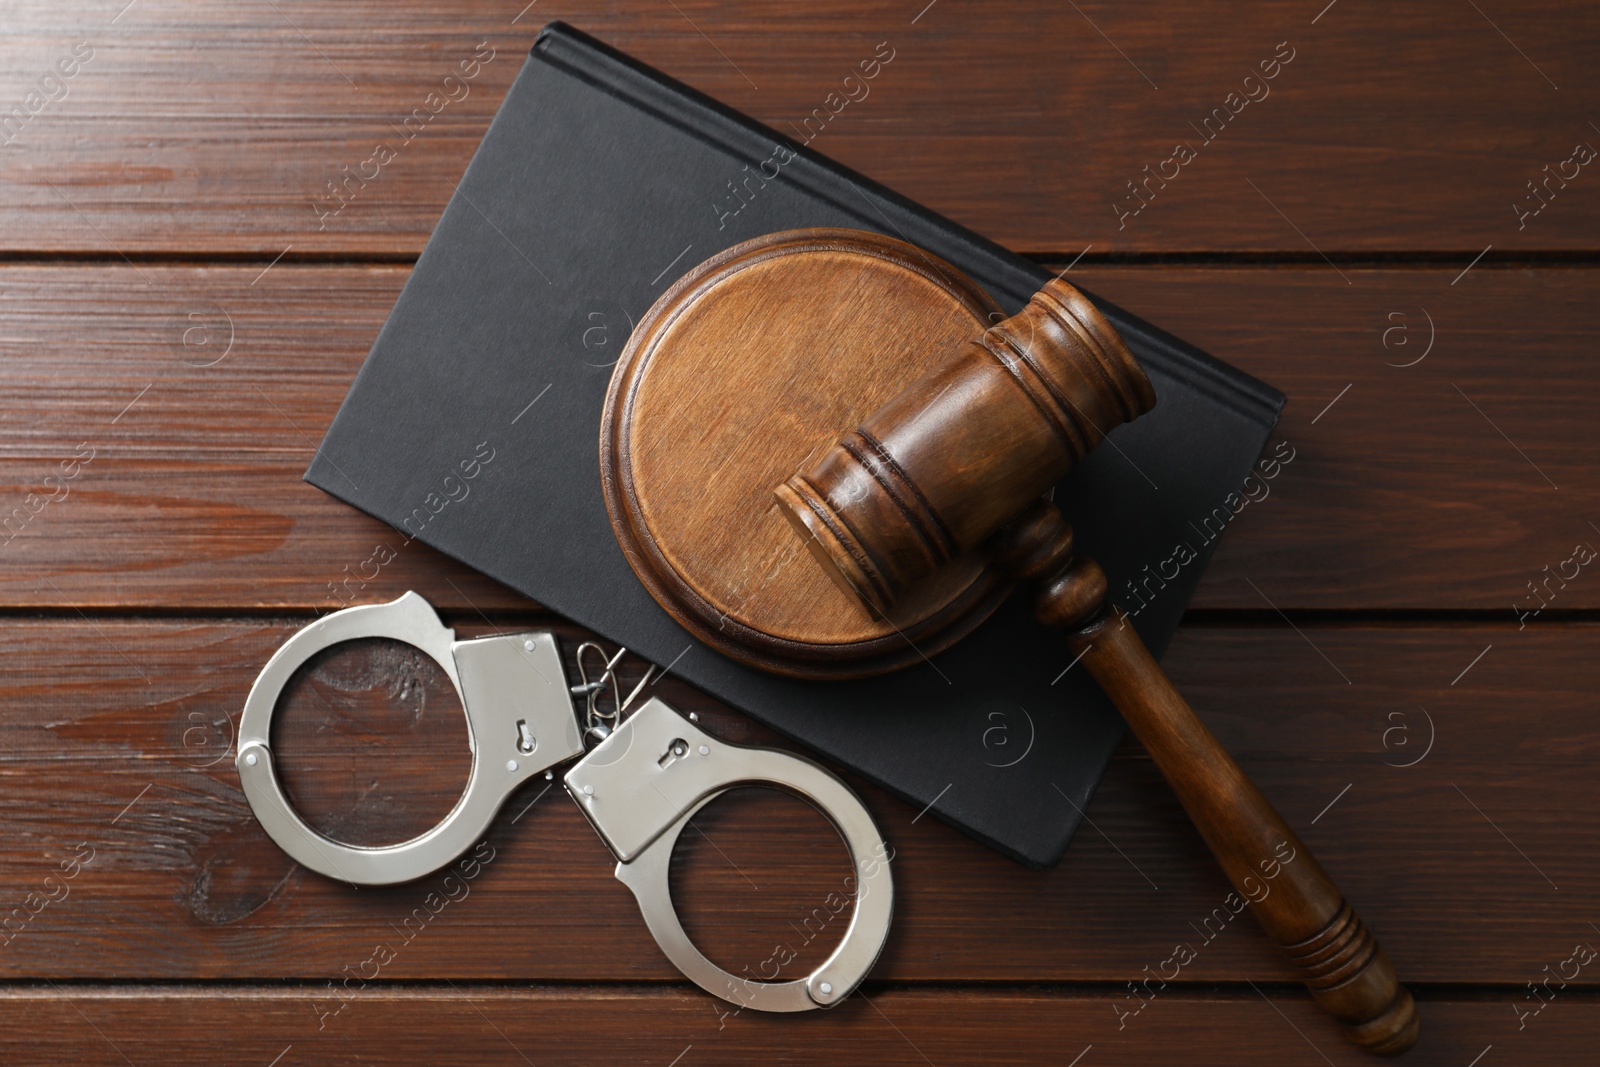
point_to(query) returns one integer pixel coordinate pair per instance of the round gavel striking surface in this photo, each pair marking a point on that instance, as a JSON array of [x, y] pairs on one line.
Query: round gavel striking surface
[[742, 373]]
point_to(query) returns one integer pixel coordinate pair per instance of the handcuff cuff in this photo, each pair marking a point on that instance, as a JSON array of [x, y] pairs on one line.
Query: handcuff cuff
[[639, 786]]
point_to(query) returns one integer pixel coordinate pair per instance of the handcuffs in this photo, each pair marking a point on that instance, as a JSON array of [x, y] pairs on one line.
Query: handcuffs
[[639, 787]]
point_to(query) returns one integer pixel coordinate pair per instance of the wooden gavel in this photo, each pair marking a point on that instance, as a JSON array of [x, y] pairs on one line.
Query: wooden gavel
[[959, 461]]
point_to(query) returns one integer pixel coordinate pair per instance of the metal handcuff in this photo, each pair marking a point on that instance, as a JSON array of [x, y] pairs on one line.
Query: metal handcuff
[[639, 786]]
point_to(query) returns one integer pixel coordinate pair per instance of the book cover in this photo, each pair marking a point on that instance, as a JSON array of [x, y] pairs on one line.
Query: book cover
[[473, 426]]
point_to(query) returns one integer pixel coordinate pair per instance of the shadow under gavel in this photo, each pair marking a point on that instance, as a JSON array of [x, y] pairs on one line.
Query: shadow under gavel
[[959, 461]]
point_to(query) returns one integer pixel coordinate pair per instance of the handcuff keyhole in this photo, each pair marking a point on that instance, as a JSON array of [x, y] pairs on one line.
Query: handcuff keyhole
[[675, 751], [526, 742]]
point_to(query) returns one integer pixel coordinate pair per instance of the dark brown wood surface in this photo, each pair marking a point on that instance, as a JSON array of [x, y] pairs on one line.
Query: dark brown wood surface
[[1364, 608], [214, 126], [562, 1027]]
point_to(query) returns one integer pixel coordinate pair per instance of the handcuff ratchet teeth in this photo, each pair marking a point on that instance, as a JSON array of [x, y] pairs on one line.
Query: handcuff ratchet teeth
[[639, 787]]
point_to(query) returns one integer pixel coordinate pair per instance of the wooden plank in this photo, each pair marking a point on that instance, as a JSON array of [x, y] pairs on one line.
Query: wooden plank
[[117, 732], [590, 1026], [1445, 447], [237, 535], [157, 422], [1412, 487], [216, 126]]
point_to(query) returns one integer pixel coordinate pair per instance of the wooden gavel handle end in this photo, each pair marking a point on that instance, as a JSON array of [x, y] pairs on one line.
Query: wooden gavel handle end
[[1392, 1033], [1349, 976]]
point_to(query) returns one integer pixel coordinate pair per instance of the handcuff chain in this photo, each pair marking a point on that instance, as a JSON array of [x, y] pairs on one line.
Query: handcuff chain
[[597, 723]]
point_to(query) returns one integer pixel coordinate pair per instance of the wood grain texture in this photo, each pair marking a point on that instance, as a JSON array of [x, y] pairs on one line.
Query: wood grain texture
[[185, 885], [217, 127], [203, 134], [1449, 483], [242, 535], [72, 1025], [1402, 495]]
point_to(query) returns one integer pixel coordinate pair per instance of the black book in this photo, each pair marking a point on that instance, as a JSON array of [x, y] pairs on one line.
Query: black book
[[473, 426]]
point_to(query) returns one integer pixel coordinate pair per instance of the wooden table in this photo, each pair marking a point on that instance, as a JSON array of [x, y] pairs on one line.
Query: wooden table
[[178, 324]]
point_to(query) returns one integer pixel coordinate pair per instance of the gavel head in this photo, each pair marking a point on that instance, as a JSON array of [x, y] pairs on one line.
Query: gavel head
[[962, 451]]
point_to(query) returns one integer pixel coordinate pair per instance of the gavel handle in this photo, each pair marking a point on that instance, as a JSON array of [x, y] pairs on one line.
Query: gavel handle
[[1296, 902]]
